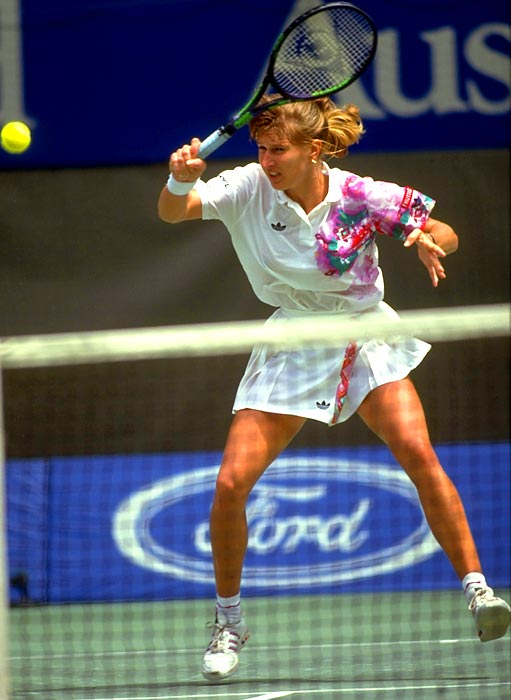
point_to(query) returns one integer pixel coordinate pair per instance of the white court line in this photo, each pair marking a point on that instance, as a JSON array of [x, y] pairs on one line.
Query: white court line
[[317, 691], [266, 696], [254, 647], [273, 696], [394, 689], [196, 696]]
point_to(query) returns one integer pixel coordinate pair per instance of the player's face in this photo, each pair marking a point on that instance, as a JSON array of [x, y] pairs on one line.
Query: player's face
[[287, 166]]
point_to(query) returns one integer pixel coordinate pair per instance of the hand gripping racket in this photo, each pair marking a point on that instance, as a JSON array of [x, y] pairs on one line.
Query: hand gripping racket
[[321, 52]]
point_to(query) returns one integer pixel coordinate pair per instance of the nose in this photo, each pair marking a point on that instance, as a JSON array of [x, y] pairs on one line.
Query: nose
[[266, 160]]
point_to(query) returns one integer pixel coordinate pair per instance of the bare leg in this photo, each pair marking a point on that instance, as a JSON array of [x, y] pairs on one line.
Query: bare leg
[[394, 412], [255, 439]]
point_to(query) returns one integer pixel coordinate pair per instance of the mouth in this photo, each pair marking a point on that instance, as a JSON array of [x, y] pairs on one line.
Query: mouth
[[272, 175]]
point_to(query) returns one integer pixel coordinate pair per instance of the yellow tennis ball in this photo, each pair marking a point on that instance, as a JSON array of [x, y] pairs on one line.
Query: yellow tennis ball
[[15, 137]]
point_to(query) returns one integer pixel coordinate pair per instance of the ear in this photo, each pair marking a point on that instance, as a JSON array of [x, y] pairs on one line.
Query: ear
[[315, 151]]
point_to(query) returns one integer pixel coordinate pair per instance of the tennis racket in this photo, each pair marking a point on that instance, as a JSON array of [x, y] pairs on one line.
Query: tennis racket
[[321, 52]]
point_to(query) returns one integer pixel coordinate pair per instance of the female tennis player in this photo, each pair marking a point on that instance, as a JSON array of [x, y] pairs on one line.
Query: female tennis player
[[305, 234]]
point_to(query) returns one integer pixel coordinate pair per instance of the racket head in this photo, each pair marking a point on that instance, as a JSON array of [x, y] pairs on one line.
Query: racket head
[[322, 51]]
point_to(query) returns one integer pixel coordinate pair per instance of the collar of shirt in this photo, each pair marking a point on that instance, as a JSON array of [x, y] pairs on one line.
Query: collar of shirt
[[332, 197]]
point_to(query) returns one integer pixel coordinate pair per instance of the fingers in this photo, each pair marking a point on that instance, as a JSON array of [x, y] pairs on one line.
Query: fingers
[[412, 237], [184, 164], [423, 239], [430, 254], [194, 147], [436, 274], [439, 275], [435, 268]]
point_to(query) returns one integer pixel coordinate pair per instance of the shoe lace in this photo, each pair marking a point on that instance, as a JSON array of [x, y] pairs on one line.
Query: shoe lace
[[223, 639], [481, 595]]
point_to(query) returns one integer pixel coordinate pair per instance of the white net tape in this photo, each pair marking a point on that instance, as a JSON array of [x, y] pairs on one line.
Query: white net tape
[[231, 338]]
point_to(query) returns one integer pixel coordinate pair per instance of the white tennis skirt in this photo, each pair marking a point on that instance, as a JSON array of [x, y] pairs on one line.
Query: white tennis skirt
[[327, 384]]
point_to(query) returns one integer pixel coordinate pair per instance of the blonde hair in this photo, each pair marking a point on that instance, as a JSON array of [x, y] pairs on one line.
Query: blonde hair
[[303, 122]]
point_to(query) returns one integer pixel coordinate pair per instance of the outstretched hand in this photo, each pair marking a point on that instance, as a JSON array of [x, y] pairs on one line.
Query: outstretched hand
[[429, 254]]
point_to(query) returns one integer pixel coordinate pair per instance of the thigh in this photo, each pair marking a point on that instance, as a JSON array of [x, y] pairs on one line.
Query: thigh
[[394, 412], [254, 440]]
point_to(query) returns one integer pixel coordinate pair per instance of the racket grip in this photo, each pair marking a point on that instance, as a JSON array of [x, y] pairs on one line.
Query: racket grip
[[212, 142]]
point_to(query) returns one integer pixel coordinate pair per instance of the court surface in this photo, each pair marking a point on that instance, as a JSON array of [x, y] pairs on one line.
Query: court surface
[[402, 646]]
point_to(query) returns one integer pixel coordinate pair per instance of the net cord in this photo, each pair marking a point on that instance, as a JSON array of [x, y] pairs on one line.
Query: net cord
[[234, 338]]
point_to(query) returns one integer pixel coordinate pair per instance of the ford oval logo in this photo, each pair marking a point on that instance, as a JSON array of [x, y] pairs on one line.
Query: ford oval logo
[[313, 521]]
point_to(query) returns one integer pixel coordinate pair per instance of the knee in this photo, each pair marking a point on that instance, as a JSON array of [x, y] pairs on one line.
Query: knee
[[231, 488], [414, 448], [418, 458]]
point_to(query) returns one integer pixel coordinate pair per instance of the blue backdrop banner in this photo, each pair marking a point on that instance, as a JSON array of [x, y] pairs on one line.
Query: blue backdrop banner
[[126, 81], [136, 527]]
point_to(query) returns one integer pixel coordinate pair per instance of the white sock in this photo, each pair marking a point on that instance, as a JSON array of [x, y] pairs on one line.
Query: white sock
[[471, 583], [229, 609]]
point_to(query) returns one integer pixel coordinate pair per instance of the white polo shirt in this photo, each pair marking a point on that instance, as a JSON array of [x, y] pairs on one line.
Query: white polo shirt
[[324, 261]]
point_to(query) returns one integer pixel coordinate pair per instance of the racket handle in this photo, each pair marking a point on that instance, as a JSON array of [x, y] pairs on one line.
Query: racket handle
[[212, 142]]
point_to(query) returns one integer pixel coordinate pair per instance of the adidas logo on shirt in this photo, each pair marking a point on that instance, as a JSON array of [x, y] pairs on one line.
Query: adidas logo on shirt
[[323, 405], [278, 226]]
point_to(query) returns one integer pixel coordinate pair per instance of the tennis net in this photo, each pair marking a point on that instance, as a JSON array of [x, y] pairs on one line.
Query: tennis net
[[112, 443]]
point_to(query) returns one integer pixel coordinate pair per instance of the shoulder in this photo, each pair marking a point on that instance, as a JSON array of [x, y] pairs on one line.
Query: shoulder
[[343, 183], [241, 184], [363, 186], [227, 195], [238, 183], [242, 174]]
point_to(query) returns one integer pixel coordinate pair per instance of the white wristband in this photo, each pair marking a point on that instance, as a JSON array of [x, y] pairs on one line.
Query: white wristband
[[179, 188]]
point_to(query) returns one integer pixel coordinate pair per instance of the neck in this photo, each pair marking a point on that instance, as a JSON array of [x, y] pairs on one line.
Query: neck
[[315, 193]]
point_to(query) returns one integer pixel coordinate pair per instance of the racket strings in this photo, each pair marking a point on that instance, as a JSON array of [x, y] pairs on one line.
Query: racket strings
[[323, 53]]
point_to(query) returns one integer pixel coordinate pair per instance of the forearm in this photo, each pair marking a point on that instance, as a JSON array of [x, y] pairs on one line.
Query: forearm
[[179, 201], [172, 208]]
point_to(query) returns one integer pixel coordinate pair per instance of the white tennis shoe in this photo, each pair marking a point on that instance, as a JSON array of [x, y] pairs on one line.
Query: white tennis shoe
[[492, 615], [221, 658]]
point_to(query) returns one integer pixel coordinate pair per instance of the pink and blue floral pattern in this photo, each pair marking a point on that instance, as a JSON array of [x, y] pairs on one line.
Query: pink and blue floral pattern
[[367, 208]]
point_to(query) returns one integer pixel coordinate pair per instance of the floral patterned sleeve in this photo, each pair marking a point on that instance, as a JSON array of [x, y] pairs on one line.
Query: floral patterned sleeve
[[394, 211], [365, 208]]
